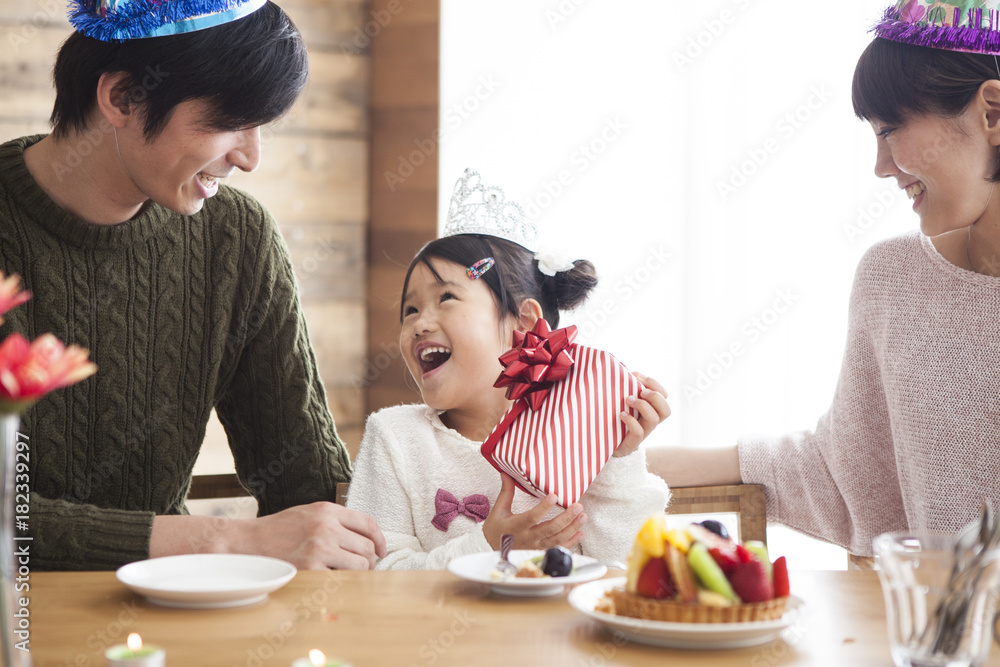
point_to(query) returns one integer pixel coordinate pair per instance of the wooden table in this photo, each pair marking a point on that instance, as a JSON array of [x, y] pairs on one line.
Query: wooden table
[[422, 619]]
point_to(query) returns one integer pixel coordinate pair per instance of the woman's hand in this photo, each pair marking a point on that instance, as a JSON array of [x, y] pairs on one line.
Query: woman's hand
[[652, 408], [528, 528]]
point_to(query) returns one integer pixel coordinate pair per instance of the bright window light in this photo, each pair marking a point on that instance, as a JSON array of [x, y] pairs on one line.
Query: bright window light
[[707, 159]]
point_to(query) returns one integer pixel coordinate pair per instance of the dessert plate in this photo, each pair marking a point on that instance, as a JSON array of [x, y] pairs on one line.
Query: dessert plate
[[679, 635], [206, 581], [479, 568]]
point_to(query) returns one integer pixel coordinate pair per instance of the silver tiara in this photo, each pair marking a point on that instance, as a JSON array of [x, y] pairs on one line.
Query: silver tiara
[[478, 209]]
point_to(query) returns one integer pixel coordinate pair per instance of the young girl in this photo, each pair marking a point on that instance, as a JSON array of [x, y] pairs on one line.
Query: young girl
[[418, 464], [912, 440]]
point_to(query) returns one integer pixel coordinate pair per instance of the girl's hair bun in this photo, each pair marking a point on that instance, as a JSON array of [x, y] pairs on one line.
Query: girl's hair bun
[[567, 289]]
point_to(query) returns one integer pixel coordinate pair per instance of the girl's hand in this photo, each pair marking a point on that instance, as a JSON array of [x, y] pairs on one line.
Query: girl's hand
[[529, 529], [652, 408]]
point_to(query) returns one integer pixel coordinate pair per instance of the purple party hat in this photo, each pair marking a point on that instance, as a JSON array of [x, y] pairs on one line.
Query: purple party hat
[[972, 26]]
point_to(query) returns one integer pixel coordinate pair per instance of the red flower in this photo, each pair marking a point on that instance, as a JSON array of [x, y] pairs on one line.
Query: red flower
[[11, 295], [28, 371]]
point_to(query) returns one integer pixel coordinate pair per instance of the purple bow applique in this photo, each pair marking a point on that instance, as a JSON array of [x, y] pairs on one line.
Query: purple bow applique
[[447, 506]]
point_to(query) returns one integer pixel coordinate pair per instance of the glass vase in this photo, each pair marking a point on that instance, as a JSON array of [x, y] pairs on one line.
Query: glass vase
[[13, 619]]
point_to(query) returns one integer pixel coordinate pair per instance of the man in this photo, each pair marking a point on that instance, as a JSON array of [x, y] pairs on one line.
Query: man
[[181, 288]]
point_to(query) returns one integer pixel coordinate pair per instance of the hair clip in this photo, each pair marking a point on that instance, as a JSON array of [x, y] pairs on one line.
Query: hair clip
[[479, 268]]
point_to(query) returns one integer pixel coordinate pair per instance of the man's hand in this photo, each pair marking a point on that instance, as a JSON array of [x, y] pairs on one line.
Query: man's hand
[[312, 537]]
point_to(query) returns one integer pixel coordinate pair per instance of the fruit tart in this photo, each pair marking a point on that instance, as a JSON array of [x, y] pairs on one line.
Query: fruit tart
[[697, 574]]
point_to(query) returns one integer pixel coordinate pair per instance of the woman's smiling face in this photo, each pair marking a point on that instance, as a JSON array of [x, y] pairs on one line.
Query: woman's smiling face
[[944, 165]]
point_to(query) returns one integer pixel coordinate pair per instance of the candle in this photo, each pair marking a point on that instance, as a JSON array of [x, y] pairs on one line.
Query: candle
[[134, 654], [318, 659]]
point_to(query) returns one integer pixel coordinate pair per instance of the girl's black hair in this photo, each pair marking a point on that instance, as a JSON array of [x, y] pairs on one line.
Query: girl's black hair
[[894, 81], [515, 276], [250, 71]]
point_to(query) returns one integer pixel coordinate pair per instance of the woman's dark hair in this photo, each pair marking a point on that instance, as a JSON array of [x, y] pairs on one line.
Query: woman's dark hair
[[250, 71], [515, 276], [894, 81]]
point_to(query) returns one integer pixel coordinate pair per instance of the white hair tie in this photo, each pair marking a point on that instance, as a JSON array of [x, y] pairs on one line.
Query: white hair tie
[[553, 261]]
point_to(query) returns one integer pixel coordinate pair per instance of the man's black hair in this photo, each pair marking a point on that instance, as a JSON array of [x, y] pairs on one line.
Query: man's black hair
[[249, 71]]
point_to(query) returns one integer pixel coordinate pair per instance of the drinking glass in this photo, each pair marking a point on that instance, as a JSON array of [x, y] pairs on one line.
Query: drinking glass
[[939, 613]]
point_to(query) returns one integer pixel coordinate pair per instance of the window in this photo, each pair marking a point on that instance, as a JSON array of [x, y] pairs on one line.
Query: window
[[707, 159]]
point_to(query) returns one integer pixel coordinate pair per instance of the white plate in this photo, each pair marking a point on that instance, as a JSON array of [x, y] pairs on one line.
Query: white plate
[[679, 635], [478, 568], [206, 581]]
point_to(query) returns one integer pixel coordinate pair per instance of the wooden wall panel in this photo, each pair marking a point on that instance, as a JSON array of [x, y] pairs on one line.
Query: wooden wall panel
[[28, 16], [329, 260], [336, 97], [309, 177], [410, 81], [10, 128], [327, 25], [404, 179], [26, 70]]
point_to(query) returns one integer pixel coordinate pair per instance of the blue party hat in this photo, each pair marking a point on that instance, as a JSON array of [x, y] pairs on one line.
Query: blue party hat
[[120, 20]]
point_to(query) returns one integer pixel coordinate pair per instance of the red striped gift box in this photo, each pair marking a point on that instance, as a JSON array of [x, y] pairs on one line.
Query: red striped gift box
[[564, 424]]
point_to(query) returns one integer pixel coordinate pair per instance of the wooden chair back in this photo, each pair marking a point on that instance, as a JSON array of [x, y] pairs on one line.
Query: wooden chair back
[[744, 500], [342, 488], [208, 487]]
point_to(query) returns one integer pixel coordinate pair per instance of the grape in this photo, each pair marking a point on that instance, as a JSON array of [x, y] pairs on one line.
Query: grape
[[716, 527], [557, 562]]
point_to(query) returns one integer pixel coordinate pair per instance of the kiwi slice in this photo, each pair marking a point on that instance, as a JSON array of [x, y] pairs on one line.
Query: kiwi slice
[[709, 573]]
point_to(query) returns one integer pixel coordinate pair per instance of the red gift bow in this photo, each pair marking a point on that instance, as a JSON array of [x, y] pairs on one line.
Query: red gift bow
[[538, 360]]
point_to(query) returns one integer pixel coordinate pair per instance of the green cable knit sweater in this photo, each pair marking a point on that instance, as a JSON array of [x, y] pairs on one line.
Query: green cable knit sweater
[[181, 314]]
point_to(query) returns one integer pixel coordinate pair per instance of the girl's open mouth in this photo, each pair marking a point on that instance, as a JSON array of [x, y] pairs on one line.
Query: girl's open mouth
[[432, 357]]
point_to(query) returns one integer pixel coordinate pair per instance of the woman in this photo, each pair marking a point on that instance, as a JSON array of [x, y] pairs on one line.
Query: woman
[[912, 439]]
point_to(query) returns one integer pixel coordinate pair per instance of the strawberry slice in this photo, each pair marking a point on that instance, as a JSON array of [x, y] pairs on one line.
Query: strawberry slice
[[726, 557], [744, 554], [779, 571], [750, 582], [654, 580]]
